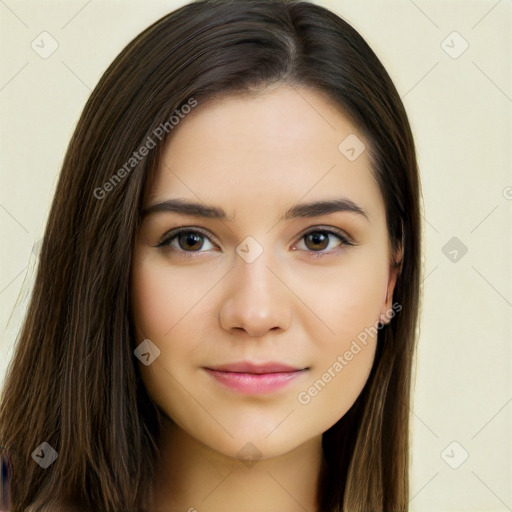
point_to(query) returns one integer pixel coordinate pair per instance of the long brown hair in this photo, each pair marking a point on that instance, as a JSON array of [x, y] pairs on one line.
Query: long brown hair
[[73, 381]]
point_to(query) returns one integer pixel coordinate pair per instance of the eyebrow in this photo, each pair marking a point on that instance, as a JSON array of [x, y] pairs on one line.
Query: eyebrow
[[312, 209]]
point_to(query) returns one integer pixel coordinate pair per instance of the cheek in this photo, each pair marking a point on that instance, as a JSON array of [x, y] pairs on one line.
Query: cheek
[[160, 306], [149, 300], [163, 297], [166, 305], [334, 387], [348, 303], [345, 300], [342, 361]]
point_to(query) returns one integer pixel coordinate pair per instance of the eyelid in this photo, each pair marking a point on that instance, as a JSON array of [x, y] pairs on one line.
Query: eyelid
[[176, 231], [345, 237]]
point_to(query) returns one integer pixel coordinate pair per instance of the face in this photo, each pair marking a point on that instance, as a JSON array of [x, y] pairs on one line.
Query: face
[[262, 305]]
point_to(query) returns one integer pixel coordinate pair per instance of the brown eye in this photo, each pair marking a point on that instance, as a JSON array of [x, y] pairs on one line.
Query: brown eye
[[186, 241], [317, 240], [320, 242], [190, 240]]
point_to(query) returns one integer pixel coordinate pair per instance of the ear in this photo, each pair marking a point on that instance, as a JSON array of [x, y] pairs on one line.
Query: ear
[[395, 268]]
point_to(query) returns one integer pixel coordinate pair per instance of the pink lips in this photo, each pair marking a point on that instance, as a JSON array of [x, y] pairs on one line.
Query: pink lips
[[253, 378]]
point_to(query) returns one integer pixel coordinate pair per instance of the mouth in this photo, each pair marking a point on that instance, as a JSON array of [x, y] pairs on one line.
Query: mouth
[[250, 378]]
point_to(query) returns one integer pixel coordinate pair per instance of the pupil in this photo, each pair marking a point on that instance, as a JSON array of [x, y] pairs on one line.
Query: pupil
[[190, 239], [318, 238]]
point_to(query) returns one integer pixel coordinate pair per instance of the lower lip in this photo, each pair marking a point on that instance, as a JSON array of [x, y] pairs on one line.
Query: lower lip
[[254, 383]]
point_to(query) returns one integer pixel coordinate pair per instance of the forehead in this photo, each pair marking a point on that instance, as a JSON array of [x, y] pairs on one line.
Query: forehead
[[279, 145]]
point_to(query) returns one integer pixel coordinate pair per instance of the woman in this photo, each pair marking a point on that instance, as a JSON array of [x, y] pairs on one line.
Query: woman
[[225, 310]]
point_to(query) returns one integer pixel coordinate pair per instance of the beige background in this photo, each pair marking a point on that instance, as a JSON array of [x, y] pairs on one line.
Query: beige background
[[460, 109]]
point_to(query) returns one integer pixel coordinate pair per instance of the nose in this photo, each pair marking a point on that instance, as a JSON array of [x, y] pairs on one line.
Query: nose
[[256, 300]]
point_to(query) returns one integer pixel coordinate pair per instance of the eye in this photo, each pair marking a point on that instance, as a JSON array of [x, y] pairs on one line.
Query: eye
[[186, 240], [318, 240]]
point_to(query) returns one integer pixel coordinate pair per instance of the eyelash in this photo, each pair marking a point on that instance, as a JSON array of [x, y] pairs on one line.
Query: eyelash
[[169, 237]]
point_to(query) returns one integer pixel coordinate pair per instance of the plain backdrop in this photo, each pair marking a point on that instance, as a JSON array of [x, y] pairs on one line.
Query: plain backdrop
[[451, 63]]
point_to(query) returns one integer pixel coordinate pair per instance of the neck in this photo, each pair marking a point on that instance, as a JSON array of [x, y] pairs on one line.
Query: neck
[[194, 477]]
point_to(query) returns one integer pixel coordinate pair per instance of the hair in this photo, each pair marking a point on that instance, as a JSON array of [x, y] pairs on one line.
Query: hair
[[73, 381]]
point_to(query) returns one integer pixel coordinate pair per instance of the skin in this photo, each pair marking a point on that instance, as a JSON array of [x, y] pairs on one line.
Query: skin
[[255, 157]]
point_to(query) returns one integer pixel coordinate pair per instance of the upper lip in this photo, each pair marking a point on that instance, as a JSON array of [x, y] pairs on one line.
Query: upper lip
[[248, 367]]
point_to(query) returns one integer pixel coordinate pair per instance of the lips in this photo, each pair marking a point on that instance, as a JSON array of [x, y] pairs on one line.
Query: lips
[[251, 378], [247, 367]]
